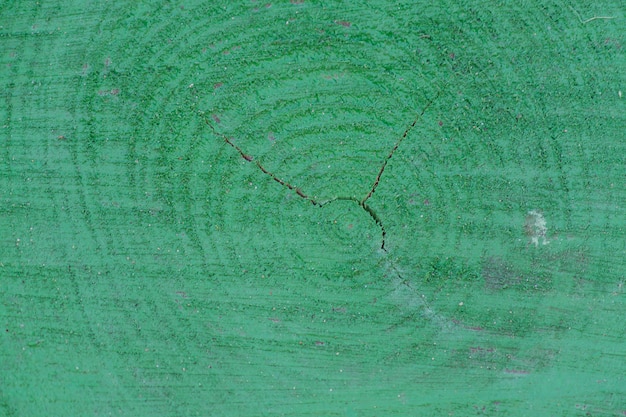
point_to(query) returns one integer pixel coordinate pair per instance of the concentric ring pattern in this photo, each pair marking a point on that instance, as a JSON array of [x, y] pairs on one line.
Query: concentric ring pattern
[[185, 228]]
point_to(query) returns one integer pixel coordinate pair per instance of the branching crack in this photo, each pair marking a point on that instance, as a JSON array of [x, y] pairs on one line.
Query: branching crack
[[361, 202]]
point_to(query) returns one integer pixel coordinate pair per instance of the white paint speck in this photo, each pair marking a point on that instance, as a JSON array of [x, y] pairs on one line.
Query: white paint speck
[[536, 228]]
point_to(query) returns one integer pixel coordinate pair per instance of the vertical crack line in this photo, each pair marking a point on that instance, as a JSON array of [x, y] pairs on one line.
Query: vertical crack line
[[250, 158], [378, 221], [393, 150]]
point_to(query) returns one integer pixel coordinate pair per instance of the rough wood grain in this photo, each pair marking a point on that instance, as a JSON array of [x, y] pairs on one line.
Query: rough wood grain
[[147, 269]]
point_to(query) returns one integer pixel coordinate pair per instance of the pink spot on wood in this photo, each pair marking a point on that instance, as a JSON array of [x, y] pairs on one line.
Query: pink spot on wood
[[517, 371], [343, 23], [476, 349]]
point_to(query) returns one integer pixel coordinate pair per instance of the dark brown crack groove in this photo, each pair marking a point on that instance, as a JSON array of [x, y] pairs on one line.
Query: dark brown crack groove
[[361, 202]]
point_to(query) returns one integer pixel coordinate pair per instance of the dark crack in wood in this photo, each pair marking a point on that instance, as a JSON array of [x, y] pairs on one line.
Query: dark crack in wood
[[395, 147], [360, 202]]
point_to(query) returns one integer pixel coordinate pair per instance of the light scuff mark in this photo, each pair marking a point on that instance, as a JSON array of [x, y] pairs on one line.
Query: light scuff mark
[[536, 228]]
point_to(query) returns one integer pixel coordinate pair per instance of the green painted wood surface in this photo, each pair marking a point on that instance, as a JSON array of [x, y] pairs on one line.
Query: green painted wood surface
[[147, 269]]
